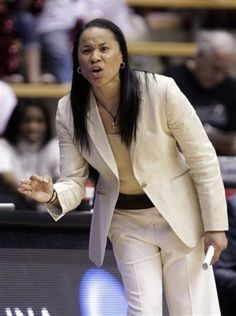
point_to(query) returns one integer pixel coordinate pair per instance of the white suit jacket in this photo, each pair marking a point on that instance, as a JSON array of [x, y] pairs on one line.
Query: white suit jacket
[[186, 187]]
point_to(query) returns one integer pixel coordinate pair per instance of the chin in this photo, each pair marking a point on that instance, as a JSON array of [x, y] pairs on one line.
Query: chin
[[208, 85], [97, 83]]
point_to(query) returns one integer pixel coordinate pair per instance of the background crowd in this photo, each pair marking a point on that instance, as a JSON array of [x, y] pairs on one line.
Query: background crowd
[[35, 47]]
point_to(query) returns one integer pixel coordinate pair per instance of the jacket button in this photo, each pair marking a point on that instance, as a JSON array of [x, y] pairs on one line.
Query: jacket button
[[144, 184]]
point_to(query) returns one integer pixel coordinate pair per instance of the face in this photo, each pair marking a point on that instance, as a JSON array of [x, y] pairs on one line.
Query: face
[[211, 69], [99, 56], [33, 126]]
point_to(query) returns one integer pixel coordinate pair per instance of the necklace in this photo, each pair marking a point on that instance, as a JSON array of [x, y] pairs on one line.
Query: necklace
[[115, 121]]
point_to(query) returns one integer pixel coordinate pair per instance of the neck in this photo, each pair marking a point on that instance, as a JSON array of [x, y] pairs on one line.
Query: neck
[[110, 101], [109, 95], [109, 110]]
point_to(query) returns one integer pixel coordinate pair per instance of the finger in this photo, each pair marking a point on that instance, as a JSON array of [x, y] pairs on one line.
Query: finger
[[25, 181], [24, 191], [38, 178], [47, 179], [26, 186]]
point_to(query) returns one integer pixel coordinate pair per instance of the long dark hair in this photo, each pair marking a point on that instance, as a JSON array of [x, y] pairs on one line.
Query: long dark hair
[[129, 90], [12, 130]]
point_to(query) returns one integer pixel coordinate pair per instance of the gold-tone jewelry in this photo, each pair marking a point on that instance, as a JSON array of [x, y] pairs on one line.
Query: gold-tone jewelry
[[115, 121]]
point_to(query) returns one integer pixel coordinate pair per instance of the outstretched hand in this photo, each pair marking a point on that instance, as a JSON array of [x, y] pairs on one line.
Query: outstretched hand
[[39, 188]]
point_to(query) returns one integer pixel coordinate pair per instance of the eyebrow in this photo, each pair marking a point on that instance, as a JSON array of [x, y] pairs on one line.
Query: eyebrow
[[89, 45]]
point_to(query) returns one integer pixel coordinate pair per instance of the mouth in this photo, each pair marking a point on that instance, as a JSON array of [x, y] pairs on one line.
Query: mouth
[[96, 70]]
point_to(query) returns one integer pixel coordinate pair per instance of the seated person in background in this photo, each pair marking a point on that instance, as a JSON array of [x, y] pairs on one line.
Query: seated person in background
[[24, 22], [207, 83], [54, 25], [9, 52], [27, 147], [225, 268]]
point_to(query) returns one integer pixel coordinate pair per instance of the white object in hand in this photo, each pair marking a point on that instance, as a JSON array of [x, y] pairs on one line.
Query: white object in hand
[[208, 257]]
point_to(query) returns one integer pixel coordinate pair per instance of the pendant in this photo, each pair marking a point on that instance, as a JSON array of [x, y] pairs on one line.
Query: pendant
[[115, 124]]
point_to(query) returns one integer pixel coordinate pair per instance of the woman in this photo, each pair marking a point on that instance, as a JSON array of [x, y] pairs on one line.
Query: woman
[[159, 210], [26, 147]]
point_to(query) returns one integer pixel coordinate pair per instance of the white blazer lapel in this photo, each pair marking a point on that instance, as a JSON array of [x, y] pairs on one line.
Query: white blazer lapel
[[98, 135]]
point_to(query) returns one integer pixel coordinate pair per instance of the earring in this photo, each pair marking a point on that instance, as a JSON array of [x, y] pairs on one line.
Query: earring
[[79, 70], [122, 65]]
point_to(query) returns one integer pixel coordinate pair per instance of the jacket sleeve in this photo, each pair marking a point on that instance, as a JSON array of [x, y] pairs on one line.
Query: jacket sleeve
[[200, 156], [70, 186]]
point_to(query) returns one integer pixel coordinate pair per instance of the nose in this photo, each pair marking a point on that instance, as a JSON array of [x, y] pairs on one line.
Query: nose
[[34, 125], [95, 56]]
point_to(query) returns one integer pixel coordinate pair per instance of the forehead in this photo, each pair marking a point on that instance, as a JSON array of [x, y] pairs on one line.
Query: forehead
[[33, 111], [220, 60], [97, 35]]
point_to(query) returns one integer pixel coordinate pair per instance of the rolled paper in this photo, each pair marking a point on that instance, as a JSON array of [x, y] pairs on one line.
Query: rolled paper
[[208, 257], [7, 206]]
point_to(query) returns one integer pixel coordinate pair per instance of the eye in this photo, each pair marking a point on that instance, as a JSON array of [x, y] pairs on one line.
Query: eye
[[104, 48], [86, 50]]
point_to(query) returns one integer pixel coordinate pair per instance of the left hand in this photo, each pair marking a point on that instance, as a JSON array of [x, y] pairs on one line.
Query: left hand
[[216, 239]]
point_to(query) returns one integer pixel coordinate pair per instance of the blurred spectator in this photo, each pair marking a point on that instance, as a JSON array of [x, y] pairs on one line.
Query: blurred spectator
[[27, 148], [133, 25], [117, 11], [225, 268], [7, 104], [24, 21], [45, 30], [9, 53], [54, 26], [207, 83]]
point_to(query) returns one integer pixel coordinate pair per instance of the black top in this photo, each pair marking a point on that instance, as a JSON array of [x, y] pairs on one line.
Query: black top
[[216, 106]]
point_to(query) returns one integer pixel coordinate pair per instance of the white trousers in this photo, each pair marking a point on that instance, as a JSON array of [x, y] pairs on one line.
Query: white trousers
[[150, 258]]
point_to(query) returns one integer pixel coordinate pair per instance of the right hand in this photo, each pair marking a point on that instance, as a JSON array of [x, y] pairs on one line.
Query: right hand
[[39, 188]]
